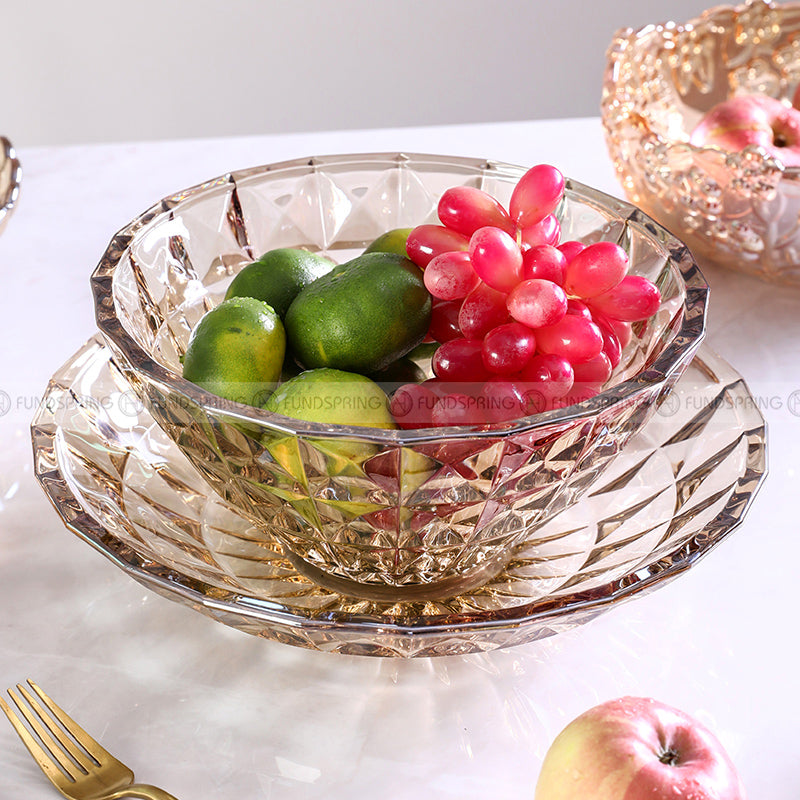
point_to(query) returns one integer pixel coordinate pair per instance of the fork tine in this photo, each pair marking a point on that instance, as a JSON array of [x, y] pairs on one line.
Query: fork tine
[[90, 745], [44, 759], [76, 753]]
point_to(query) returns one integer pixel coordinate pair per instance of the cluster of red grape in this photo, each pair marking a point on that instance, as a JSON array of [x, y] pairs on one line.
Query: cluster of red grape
[[526, 323]]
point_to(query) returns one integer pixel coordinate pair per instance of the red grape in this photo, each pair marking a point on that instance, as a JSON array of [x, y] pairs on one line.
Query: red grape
[[634, 298], [483, 308], [537, 303], [584, 391], [623, 330], [412, 405], [496, 258], [507, 348], [450, 276], [525, 323], [611, 343], [544, 261], [426, 242], [444, 320], [579, 308], [596, 269], [596, 370], [460, 360], [503, 400], [467, 208], [442, 388], [545, 231], [536, 195], [458, 409], [574, 337], [571, 248], [439, 387], [546, 377]]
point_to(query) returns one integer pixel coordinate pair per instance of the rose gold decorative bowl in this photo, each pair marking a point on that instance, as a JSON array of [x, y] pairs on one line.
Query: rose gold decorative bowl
[[735, 209], [386, 514]]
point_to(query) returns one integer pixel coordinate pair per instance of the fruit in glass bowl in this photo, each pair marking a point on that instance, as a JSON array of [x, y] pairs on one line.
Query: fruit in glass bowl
[[420, 513], [735, 207], [752, 120]]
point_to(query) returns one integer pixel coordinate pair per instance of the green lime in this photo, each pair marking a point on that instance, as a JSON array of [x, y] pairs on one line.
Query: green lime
[[236, 351], [290, 369], [333, 397], [393, 241], [400, 372], [360, 317], [278, 276], [423, 352]]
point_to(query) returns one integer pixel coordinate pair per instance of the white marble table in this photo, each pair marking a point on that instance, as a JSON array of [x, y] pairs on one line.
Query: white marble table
[[208, 712]]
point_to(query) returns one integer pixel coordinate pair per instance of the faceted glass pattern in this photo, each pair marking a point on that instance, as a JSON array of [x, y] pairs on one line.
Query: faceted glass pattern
[[384, 514], [738, 210], [10, 177], [684, 481]]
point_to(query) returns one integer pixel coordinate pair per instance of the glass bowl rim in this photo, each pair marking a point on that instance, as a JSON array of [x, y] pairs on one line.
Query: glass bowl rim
[[8, 198], [635, 37], [684, 342]]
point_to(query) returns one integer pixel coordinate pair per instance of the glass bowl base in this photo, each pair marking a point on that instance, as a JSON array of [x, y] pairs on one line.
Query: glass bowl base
[[411, 593]]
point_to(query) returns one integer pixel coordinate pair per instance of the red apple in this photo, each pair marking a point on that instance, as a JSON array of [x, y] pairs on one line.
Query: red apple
[[752, 120], [636, 748]]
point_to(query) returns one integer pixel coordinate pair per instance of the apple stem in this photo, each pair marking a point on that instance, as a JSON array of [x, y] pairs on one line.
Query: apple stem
[[669, 756]]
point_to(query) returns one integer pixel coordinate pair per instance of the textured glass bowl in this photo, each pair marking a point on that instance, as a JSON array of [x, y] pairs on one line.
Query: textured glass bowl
[[10, 177], [418, 514], [738, 210], [681, 485]]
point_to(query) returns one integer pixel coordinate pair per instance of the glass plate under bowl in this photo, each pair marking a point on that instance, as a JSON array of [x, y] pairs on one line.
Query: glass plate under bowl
[[117, 480], [10, 177]]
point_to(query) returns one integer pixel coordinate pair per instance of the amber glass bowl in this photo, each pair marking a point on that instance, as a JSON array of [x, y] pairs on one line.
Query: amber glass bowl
[[385, 514], [736, 209]]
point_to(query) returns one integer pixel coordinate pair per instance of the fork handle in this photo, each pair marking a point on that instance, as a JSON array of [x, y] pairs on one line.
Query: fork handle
[[141, 790]]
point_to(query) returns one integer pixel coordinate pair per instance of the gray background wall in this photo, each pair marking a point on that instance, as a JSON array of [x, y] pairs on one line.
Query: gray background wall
[[92, 71]]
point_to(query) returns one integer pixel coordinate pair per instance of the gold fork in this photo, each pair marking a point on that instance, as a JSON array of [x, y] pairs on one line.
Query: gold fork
[[74, 762]]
